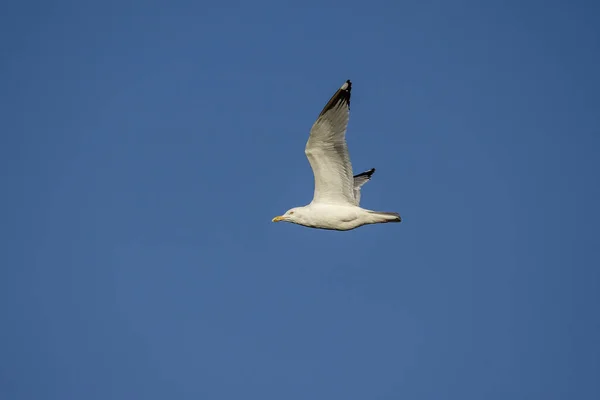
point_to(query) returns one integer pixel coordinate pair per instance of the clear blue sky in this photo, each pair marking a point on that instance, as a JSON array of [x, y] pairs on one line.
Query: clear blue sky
[[145, 147]]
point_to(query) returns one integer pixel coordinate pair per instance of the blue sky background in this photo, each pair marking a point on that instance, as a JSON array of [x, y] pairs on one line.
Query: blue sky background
[[145, 147]]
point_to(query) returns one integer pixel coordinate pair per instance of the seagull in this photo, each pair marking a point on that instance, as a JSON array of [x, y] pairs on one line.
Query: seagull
[[336, 200]]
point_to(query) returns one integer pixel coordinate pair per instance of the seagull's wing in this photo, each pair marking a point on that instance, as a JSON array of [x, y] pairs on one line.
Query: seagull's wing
[[360, 180], [327, 151]]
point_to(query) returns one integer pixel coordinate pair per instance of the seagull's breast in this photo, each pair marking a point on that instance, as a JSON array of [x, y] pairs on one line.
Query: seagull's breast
[[336, 217]]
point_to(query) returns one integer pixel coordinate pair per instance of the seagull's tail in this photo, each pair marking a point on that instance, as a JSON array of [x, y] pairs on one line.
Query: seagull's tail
[[384, 217]]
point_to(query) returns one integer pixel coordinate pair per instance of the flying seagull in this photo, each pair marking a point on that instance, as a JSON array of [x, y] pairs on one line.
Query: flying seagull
[[336, 200]]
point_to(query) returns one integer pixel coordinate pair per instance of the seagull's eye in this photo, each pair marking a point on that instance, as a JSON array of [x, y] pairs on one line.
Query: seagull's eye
[[291, 212]]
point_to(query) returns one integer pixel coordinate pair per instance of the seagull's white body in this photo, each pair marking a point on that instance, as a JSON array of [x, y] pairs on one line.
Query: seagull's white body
[[336, 201], [336, 217]]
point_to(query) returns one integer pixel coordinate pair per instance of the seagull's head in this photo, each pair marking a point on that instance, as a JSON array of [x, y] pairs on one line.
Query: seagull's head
[[293, 215]]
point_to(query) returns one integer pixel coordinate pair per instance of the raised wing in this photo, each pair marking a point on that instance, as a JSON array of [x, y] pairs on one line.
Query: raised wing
[[327, 151], [360, 180]]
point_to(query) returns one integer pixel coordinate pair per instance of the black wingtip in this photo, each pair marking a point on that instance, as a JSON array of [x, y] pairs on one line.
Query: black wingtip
[[342, 96], [367, 173], [394, 216]]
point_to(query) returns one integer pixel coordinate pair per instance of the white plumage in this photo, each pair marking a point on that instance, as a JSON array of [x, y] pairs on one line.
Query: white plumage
[[336, 199]]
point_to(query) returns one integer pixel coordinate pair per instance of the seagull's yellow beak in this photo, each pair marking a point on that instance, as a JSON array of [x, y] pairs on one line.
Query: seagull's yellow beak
[[277, 219]]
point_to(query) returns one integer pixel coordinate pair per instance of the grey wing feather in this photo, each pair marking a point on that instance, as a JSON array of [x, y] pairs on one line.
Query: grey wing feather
[[360, 180], [327, 151]]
